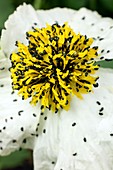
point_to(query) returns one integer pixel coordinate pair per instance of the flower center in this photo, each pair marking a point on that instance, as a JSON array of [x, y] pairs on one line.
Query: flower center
[[55, 65]]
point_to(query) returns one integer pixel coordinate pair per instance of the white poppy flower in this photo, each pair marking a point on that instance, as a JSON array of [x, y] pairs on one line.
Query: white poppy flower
[[61, 45]]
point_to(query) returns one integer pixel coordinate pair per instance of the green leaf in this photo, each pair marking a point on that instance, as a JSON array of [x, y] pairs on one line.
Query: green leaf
[[16, 3], [76, 4], [106, 64], [92, 4], [108, 4], [37, 4], [13, 160], [6, 8]]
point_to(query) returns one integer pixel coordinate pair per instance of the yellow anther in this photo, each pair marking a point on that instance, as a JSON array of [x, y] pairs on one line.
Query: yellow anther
[[56, 64]]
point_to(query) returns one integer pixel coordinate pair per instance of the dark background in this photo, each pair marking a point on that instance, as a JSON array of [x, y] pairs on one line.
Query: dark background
[[22, 160]]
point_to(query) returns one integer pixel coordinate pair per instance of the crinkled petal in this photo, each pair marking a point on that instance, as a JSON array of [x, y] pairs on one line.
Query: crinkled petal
[[4, 65], [22, 21], [18, 119], [94, 25], [46, 148], [16, 26], [80, 139], [84, 21], [60, 15]]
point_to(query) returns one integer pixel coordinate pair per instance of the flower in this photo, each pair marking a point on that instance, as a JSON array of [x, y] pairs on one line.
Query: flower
[[51, 98]]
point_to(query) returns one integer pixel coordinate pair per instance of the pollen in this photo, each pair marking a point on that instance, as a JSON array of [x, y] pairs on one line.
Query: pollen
[[56, 64]]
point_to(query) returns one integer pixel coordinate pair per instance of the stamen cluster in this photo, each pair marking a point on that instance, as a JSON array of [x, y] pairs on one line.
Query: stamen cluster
[[56, 64]]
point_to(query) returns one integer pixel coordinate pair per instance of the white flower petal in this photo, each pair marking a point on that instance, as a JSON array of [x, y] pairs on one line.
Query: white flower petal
[[46, 147], [93, 25], [80, 138], [4, 65], [22, 21], [84, 21], [59, 15], [18, 120], [16, 26]]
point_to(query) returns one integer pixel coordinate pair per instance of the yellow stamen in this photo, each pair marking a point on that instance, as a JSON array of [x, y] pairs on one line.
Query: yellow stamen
[[56, 64]]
